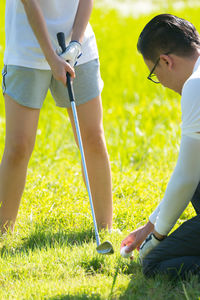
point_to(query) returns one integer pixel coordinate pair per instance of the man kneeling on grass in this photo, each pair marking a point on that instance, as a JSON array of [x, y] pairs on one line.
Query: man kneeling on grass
[[170, 47]]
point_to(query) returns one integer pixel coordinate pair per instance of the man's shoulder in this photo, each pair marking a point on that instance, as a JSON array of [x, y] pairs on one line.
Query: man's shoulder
[[191, 94], [192, 85]]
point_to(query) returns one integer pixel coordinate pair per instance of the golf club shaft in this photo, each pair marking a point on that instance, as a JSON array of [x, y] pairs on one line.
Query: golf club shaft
[[61, 41], [85, 169]]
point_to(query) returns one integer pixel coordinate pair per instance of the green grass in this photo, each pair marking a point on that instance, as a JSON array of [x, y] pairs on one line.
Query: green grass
[[52, 253]]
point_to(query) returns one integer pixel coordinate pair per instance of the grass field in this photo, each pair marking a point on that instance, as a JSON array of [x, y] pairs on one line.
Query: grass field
[[52, 252]]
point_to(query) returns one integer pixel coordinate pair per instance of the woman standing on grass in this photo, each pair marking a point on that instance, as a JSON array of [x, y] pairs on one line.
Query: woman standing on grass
[[31, 67]]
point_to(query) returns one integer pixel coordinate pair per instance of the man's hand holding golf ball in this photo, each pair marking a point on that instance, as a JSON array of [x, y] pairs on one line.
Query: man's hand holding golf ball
[[143, 239]]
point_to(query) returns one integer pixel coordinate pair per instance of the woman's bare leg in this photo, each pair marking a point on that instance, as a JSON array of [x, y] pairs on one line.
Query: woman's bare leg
[[21, 126], [97, 160]]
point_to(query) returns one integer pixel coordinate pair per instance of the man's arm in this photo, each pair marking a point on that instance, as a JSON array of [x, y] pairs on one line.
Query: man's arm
[[179, 192], [181, 187], [37, 22], [186, 175], [153, 216]]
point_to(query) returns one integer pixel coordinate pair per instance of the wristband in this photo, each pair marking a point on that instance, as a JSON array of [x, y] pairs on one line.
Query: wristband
[[161, 239], [74, 41]]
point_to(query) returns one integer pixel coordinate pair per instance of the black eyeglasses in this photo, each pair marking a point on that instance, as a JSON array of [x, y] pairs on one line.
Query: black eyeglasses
[[151, 74]]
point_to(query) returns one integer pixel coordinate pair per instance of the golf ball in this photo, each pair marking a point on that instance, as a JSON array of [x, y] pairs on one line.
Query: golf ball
[[124, 253]]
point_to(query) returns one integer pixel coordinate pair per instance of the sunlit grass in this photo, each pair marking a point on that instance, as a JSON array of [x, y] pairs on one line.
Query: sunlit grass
[[52, 253]]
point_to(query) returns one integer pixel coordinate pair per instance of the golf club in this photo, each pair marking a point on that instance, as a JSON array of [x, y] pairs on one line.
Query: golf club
[[106, 247]]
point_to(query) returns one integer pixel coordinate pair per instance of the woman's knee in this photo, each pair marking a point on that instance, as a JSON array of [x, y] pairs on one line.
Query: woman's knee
[[94, 141], [18, 150]]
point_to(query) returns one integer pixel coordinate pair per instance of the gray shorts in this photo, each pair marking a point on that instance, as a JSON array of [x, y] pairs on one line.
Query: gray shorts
[[29, 86]]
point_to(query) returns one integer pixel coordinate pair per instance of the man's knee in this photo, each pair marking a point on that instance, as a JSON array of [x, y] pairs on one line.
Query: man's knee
[[196, 199], [148, 267]]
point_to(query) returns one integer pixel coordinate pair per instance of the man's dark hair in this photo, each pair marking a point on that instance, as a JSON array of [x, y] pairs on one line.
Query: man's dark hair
[[167, 33]]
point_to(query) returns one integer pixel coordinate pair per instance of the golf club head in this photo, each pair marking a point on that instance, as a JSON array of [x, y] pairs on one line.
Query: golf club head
[[105, 248]]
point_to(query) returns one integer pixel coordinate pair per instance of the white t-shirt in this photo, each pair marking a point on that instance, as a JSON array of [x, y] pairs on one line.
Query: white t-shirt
[[186, 175], [22, 47]]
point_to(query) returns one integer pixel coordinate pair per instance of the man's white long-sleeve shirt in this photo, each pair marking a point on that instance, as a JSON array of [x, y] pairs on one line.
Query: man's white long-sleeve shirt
[[186, 175]]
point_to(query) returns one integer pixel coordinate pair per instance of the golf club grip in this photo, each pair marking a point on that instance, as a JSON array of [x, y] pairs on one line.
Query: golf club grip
[[70, 88], [61, 40]]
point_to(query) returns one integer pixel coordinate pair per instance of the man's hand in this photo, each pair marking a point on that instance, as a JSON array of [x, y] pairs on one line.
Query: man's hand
[[149, 244], [71, 54], [135, 238]]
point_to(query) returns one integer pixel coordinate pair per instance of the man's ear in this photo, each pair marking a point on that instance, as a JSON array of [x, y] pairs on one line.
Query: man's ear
[[166, 61]]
